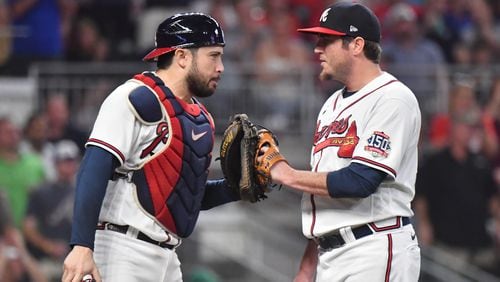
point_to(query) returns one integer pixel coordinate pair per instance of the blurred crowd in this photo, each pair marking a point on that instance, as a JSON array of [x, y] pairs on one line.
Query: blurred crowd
[[446, 51]]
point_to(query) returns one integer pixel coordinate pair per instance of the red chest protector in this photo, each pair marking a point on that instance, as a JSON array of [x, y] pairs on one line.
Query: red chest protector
[[171, 185]]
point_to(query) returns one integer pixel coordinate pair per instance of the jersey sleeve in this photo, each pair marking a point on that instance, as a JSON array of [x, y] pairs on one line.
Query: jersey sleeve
[[114, 127], [391, 130]]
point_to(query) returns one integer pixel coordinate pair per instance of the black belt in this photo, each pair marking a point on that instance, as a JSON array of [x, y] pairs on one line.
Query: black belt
[[120, 175], [141, 236], [332, 241]]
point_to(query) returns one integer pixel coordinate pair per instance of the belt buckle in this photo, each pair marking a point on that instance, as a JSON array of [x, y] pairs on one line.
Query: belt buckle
[[108, 226], [112, 227]]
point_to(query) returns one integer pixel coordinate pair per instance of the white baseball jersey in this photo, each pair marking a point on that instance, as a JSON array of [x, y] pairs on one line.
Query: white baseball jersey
[[378, 126], [125, 140]]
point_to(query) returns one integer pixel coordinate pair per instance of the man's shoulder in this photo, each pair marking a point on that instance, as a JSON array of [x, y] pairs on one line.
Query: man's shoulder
[[395, 89], [120, 94]]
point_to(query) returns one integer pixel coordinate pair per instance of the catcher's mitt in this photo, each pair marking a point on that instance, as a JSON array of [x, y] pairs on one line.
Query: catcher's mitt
[[240, 147]]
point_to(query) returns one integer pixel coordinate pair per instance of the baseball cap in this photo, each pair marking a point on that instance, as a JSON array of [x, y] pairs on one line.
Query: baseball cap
[[401, 12], [351, 19], [186, 30], [66, 150]]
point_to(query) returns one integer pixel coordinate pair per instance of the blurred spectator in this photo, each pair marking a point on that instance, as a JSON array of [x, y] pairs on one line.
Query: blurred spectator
[[34, 141], [244, 27], [60, 124], [482, 61], [383, 10], [5, 36], [436, 28], [5, 215], [470, 20], [461, 57], [455, 195], [427, 77], [16, 264], [491, 123], [87, 110], [170, 3], [280, 59], [86, 43], [39, 28], [202, 274], [115, 21], [47, 225], [495, 8], [308, 12], [462, 102], [19, 172]]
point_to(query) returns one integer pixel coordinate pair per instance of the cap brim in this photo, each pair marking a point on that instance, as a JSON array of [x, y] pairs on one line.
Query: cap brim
[[156, 53], [320, 30]]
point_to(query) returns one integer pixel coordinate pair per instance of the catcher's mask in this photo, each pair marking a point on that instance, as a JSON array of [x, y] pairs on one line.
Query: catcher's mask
[[186, 30]]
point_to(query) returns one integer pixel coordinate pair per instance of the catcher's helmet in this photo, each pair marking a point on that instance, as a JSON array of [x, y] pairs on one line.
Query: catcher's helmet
[[186, 30]]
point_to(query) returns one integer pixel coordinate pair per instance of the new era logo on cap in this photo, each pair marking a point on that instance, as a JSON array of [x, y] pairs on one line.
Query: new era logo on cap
[[351, 19]]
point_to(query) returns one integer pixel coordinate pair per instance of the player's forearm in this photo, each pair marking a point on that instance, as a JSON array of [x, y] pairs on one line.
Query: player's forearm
[[307, 268], [95, 171], [217, 193], [302, 180]]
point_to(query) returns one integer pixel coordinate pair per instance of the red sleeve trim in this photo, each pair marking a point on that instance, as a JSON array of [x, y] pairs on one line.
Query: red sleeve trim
[[109, 146], [388, 168]]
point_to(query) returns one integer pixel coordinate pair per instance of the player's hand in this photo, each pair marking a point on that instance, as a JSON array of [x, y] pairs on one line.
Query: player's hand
[[78, 263], [278, 170]]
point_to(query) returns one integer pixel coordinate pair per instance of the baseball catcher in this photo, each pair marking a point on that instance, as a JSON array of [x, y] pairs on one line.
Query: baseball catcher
[[241, 146]]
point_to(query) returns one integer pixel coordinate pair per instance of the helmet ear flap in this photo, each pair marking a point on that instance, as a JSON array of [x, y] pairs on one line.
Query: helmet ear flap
[[186, 30]]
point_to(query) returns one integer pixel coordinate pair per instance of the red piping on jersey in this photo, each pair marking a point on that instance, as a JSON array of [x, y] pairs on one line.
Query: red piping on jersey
[[390, 169], [394, 80], [385, 228], [335, 103], [109, 146], [389, 258], [313, 223], [313, 204]]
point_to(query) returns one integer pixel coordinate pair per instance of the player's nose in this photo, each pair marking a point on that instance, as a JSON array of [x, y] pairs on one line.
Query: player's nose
[[219, 67], [318, 50]]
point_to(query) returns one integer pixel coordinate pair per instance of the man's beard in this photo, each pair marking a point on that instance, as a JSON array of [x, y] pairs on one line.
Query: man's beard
[[196, 85], [323, 76], [340, 73]]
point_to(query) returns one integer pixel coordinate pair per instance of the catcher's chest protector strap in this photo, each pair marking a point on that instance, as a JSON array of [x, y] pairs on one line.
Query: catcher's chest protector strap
[[171, 185]]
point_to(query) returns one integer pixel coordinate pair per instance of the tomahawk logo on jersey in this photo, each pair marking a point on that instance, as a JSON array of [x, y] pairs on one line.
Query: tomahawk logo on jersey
[[162, 137]]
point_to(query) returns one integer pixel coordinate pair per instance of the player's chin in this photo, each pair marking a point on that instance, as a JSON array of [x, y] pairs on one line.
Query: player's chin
[[212, 84], [324, 76]]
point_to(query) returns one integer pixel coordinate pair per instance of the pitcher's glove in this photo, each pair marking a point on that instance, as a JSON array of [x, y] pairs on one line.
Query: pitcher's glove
[[241, 143]]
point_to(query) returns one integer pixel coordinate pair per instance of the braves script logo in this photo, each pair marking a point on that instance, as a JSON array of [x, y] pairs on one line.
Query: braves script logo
[[379, 144], [162, 136], [346, 144]]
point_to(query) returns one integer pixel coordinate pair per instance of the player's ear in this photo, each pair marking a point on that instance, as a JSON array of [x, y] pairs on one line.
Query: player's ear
[[358, 45], [183, 57]]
